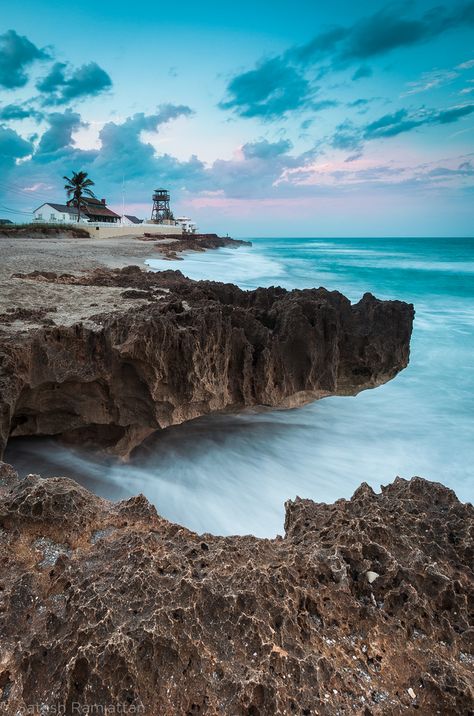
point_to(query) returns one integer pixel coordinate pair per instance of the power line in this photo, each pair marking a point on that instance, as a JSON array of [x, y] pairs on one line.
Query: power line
[[14, 187], [16, 191], [17, 186], [15, 211], [16, 196], [21, 192]]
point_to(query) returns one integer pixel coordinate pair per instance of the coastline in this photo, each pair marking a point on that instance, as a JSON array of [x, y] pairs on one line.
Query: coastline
[[342, 613]]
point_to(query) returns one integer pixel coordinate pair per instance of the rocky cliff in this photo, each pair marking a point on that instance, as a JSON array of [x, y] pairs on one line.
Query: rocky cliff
[[362, 608], [182, 350]]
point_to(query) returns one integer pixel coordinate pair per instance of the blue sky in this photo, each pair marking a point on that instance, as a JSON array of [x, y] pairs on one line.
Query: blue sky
[[341, 120]]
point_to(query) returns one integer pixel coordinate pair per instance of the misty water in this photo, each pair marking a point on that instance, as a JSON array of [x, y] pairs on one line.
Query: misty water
[[231, 474]]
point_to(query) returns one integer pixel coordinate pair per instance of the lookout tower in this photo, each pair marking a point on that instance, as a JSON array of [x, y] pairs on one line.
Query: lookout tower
[[161, 206]]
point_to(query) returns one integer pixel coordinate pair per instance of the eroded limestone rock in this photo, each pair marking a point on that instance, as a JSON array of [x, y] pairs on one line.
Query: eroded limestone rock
[[187, 349], [142, 612]]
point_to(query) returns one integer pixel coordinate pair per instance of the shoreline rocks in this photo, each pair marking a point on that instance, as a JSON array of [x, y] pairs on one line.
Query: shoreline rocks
[[184, 349], [193, 242], [108, 603]]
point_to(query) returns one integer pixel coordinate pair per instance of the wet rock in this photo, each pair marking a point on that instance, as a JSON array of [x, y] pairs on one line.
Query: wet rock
[[146, 613], [193, 242]]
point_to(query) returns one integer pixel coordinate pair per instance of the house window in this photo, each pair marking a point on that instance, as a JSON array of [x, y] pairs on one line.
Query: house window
[[52, 217], [39, 216], [64, 217]]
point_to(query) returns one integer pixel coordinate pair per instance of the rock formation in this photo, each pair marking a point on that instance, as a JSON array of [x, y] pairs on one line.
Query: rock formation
[[362, 608], [193, 242], [186, 349]]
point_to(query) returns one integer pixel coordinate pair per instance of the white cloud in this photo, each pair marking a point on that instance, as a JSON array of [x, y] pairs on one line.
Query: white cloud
[[431, 80]]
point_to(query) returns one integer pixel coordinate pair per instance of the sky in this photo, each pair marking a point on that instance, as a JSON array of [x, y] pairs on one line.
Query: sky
[[281, 119]]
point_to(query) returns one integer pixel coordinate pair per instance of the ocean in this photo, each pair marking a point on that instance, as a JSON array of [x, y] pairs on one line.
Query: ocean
[[231, 474]]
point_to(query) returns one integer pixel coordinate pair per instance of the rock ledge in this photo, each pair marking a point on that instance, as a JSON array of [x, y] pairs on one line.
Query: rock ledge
[[178, 349]]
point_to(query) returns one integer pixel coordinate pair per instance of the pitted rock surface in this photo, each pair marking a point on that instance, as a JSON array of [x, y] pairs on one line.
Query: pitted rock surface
[[185, 349], [140, 612]]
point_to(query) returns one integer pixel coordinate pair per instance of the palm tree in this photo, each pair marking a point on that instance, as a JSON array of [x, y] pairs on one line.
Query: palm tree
[[78, 187]]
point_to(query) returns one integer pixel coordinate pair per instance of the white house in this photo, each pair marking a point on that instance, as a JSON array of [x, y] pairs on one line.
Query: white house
[[188, 226], [94, 210], [50, 213]]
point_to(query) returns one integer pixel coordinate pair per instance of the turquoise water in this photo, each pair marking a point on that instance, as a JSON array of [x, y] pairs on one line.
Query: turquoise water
[[232, 474]]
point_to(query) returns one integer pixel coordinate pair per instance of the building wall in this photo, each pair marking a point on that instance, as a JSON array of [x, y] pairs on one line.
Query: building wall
[[100, 231], [48, 214]]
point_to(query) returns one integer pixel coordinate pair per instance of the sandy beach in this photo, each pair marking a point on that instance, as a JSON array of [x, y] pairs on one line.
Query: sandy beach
[[70, 255], [65, 305]]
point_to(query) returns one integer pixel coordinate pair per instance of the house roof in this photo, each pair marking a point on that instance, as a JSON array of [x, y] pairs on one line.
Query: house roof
[[93, 200], [133, 219], [95, 209], [60, 207], [99, 210]]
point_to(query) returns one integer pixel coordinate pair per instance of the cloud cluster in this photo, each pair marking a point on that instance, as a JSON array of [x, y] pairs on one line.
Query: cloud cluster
[[123, 153], [270, 90], [12, 147], [348, 136], [123, 150], [59, 134], [17, 54], [264, 149], [254, 171], [389, 28], [13, 112], [281, 84], [63, 84], [319, 177]]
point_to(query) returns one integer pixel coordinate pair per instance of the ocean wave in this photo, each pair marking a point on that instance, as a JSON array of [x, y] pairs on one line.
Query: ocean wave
[[241, 266]]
